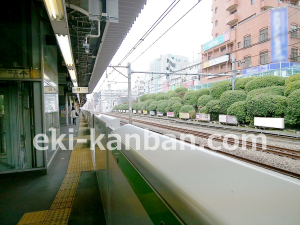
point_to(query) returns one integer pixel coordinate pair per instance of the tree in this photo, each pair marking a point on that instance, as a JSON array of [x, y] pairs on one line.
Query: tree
[[273, 90], [292, 86], [181, 89], [292, 78], [144, 97], [203, 100], [152, 106], [203, 91], [190, 98], [171, 94], [147, 103], [265, 81], [176, 108], [293, 109], [181, 94], [214, 108], [217, 89], [161, 107], [190, 110], [203, 110], [152, 96], [266, 105], [135, 106], [239, 110], [230, 97], [240, 83], [160, 96]]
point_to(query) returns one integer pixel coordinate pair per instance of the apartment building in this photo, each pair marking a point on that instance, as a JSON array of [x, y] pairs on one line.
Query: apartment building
[[262, 35], [169, 63]]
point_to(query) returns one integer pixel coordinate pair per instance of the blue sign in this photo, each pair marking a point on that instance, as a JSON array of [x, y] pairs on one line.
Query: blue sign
[[279, 35]]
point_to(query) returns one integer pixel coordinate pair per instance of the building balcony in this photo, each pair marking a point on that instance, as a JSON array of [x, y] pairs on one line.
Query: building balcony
[[267, 4], [231, 5], [231, 19]]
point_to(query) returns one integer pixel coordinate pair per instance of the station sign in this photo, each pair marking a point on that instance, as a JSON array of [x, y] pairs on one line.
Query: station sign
[[80, 90], [50, 90], [15, 73]]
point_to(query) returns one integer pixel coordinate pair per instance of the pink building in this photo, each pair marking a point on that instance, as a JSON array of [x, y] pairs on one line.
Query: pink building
[[263, 35]]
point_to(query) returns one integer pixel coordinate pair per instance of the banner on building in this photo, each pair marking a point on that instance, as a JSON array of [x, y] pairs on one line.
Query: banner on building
[[160, 114], [165, 86], [217, 41], [184, 115], [216, 61], [170, 114], [188, 84], [279, 35], [203, 117]]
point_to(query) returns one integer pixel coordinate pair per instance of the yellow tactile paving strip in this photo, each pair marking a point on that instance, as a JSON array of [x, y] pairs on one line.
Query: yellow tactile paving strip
[[80, 160]]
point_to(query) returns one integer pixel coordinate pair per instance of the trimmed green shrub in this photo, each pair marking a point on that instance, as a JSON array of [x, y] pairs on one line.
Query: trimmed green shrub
[[175, 108], [181, 89], [273, 90], [203, 110], [186, 108], [214, 108], [171, 94], [190, 98], [175, 99], [161, 107], [152, 96], [190, 110], [265, 81], [203, 91], [115, 107], [140, 105], [217, 89], [147, 103], [293, 110], [124, 107], [160, 96], [239, 110], [230, 97], [135, 106], [181, 94], [240, 83], [144, 97], [292, 87], [266, 106], [203, 100], [152, 106], [292, 78]]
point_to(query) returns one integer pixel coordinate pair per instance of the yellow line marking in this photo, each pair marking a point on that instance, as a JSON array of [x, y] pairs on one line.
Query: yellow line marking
[[80, 160]]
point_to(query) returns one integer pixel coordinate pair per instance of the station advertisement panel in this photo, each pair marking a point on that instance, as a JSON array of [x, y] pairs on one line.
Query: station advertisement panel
[[160, 114], [145, 112], [170, 114], [203, 117], [134, 111], [140, 111], [184, 115], [152, 113]]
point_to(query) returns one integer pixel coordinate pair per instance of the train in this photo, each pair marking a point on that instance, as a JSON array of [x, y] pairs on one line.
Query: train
[[186, 184]]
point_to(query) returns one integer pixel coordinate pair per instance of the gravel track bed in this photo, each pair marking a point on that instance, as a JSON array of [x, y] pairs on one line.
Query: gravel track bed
[[258, 156]]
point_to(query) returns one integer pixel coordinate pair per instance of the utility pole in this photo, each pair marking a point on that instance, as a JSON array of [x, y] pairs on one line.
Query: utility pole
[[233, 72], [129, 92]]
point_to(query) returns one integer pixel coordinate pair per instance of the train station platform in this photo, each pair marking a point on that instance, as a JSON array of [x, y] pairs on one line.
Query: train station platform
[[68, 194]]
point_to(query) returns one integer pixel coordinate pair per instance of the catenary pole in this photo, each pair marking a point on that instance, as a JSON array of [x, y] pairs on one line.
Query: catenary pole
[[233, 72], [129, 92]]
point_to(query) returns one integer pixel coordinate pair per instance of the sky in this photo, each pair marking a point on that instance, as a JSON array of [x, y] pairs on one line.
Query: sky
[[185, 38]]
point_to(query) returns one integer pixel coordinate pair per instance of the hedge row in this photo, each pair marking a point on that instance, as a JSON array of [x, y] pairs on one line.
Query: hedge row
[[268, 96]]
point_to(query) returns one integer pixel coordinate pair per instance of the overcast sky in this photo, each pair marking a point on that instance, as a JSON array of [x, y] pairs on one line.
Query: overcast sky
[[185, 38]]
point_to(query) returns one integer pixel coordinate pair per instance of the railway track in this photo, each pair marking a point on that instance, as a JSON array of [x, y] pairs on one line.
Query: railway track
[[270, 149]]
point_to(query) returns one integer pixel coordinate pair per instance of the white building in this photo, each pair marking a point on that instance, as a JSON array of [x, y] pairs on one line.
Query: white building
[[155, 83], [139, 86]]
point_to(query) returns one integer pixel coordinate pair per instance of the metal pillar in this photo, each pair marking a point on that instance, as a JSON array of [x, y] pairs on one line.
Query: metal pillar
[[67, 109], [233, 72], [129, 92]]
